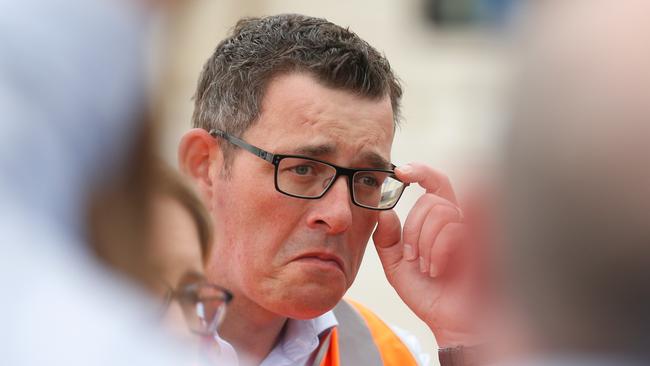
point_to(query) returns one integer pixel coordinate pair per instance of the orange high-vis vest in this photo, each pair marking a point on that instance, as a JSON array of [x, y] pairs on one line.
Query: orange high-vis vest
[[362, 339]]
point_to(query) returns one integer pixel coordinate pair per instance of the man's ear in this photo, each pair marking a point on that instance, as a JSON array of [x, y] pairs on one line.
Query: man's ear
[[196, 151]]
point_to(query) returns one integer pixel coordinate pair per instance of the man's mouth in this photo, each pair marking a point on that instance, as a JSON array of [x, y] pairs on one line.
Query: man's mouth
[[326, 260]]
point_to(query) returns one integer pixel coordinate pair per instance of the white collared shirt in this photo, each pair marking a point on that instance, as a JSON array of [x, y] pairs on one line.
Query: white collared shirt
[[301, 339]]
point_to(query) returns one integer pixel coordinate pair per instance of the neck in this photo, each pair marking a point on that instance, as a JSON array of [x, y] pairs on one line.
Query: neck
[[252, 330]]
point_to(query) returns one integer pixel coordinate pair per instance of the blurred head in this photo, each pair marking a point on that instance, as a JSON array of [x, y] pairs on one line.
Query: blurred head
[[289, 84], [577, 175], [181, 234]]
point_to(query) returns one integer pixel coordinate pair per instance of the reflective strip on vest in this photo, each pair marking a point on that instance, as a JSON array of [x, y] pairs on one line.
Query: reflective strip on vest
[[361, 338], [355, 343]]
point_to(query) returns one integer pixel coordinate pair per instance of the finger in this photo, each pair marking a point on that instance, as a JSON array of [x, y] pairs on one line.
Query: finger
[[447, 242], [437, 218], [415, 221], [387, 239], [428, 178]]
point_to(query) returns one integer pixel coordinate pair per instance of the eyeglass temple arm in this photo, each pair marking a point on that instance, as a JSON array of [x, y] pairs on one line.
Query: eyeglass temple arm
[[243, 144]]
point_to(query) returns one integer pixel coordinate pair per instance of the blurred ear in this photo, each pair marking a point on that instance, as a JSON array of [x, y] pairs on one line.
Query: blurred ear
[[197, 150]]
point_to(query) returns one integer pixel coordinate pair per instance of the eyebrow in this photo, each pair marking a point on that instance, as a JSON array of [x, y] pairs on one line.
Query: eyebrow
[[316, 150], [369, 158], [376, 161]]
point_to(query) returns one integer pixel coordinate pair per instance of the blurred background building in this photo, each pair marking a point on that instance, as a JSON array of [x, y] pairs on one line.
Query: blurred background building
[[450, 56]]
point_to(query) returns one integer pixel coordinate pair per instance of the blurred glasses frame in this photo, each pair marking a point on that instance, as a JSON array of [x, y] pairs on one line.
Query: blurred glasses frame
[[275, 160], [190, 293]]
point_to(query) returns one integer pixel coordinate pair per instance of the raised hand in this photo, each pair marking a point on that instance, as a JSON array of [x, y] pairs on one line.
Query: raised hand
[[430, 264]]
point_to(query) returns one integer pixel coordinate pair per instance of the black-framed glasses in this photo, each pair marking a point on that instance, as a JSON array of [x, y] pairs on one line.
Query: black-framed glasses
[[308, 178], [203, 304]]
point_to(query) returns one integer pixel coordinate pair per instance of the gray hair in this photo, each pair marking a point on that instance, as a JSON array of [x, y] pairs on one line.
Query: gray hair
[[233, 81]]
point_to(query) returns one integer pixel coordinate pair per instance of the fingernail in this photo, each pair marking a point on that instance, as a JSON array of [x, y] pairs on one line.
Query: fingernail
[[409, 254], [405, 169], [423, 266], [433, 271]]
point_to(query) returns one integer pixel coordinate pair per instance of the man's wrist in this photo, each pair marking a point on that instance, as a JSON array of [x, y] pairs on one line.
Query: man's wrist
[[460, 356], [451, 339]]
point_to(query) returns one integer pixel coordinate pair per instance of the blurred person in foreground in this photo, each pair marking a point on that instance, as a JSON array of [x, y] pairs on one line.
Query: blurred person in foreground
[[294, 121], [75, 186], [181, 237], [578, 181], [573, 271]]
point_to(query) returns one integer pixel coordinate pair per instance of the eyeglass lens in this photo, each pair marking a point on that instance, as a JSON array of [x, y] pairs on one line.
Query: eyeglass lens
[[204, 307], [309, 178]]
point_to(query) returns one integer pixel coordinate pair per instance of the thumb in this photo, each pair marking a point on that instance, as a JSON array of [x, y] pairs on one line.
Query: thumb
[[388, 240]]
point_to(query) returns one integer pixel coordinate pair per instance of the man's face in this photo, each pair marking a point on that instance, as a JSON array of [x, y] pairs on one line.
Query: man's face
[[291, 256]]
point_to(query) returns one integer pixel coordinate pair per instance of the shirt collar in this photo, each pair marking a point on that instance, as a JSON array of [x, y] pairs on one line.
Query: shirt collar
[[300, 340]]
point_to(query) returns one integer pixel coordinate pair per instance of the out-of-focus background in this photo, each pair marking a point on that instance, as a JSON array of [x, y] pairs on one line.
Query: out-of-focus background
[[450, 55]]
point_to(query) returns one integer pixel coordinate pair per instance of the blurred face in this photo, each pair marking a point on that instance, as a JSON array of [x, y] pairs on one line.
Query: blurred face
[[291, 256], [176, 245], [175, 250], [196, 307]]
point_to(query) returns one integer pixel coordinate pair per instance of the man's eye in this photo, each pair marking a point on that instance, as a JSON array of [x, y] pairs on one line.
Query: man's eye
[[302, 169], [368, 180]]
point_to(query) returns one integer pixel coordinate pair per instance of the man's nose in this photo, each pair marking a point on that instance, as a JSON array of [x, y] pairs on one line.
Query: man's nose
[[333, 212]]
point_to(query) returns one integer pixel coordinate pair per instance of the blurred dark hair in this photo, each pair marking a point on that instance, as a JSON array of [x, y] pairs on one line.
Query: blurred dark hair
[[119, 212]]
